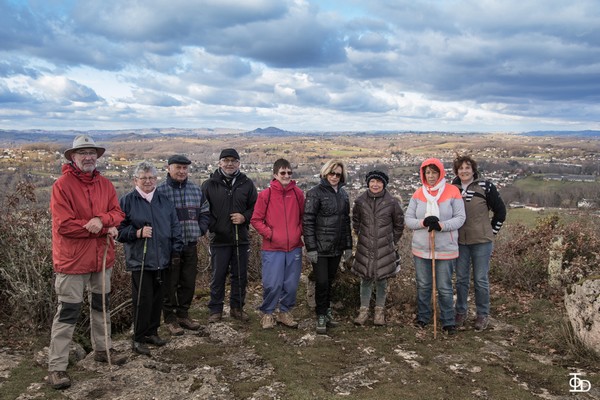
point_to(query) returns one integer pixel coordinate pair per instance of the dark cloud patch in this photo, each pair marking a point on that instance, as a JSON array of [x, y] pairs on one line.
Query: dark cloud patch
[[176, 21], [19, 27], [369, 41], [17, 67], [8, 97], [231, 98], [313, 96], [151, 98]]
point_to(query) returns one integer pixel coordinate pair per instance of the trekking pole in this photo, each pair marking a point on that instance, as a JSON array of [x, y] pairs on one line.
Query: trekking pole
[[434, 287], [139, 294], [237, 252], [104, 319]]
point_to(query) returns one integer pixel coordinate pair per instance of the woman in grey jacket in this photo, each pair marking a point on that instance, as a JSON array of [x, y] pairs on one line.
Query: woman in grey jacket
[[437, 207], [378, 222]]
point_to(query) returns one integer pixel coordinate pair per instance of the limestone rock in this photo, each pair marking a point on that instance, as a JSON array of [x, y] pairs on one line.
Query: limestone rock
[[582, 303]]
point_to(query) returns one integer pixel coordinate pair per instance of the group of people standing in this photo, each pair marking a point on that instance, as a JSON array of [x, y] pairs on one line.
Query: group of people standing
[[160, 225]]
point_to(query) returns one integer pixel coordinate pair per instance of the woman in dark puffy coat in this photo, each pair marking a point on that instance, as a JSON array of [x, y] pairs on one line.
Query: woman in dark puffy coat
[[378, 221], [327, 235], [152, 240]]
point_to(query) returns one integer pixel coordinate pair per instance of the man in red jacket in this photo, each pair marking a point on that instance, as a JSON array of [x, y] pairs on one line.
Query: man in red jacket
[[85, 213], [277, 218]]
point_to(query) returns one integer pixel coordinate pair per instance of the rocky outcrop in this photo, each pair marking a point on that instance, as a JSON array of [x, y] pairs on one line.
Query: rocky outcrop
[[582, 302]]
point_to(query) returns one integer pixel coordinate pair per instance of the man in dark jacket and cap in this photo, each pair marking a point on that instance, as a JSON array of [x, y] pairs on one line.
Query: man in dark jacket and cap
[[231, 196], [192, 212]]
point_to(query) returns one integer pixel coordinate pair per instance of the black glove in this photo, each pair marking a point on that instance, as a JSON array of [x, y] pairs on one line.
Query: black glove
[[428, 221], [175, 260], [435, 226]]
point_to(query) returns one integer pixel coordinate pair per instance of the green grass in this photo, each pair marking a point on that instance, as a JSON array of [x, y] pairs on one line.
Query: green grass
[[537, 183], [523, 216]]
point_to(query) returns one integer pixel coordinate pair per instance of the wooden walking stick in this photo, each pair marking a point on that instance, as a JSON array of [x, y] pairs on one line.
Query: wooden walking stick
[[434, 286], [104, 301]]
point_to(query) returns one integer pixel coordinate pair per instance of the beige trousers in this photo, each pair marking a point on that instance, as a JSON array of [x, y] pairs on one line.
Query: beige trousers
[[69, 290]]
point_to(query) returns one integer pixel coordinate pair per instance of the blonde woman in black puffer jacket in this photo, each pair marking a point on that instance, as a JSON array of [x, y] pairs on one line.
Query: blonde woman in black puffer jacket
[[378, 221]]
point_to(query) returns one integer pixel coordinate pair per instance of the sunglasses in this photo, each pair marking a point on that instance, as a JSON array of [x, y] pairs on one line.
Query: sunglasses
[[284, 173], [336, 174]]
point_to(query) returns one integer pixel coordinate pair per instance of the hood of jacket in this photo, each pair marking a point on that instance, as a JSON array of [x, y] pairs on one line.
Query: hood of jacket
[[435, 162]]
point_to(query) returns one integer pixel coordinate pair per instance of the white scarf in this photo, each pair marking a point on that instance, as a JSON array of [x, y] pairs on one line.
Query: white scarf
[[146, 196], [432, 205]]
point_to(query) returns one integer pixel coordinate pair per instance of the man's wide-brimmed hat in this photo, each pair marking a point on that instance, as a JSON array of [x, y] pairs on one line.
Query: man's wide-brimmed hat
[[83, 142]]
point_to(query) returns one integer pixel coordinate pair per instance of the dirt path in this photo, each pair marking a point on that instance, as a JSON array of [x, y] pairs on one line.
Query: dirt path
[[229, 360]]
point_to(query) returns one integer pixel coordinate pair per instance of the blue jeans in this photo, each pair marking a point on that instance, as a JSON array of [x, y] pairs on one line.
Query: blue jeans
[[479, 256], [443, 279], [280, 278]]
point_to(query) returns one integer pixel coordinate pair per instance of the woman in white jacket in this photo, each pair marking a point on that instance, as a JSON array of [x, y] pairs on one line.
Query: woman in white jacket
[[435, 207]]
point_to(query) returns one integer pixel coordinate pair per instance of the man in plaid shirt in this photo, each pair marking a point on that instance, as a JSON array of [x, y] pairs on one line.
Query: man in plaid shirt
[[193, 213]]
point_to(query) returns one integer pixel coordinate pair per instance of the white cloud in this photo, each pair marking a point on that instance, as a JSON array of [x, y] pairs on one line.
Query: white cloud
[[458, 64]]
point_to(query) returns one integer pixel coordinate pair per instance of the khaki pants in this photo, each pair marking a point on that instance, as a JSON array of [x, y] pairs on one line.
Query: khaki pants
[[69, 289]]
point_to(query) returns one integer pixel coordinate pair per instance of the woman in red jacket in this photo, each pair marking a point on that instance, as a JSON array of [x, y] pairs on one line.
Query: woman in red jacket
[[278, 219]]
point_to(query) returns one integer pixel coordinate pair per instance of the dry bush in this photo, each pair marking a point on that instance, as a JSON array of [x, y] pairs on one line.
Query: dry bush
[[521, 254], [27, 298], [27, 295]]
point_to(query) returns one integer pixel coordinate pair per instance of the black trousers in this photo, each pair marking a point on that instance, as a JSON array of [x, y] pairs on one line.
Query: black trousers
[[225, 260], [181, 285], [324, 270], [146, 314]]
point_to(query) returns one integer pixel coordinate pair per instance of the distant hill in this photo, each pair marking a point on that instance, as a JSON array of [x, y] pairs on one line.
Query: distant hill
[[10, 136], [66, 136], [273, 131], [587, 133]]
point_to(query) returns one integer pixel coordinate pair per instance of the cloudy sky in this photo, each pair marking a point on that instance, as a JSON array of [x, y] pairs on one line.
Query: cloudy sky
[[459, 65]]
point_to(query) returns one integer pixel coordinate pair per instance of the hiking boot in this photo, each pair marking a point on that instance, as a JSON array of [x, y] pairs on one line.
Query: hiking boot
[[322, 324], [449, 329], [174, 329], [188, 323], [216, 317], [330, 321], [267, 321], [420, 324], [481, 323], [155, 340], [286, 319], [363, 315], [459, 319], [379, 318], [116, 357], [140, 348], [59, 380], [239, 314]]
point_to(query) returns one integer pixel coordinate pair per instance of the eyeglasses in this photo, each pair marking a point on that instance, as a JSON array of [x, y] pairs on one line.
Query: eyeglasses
[[229, 161], [284, 173], [336, 174], [146, 178], [88, 153]]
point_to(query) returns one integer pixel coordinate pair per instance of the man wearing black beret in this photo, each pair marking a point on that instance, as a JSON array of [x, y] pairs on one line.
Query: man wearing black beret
[[192, 212], [231, 195]]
